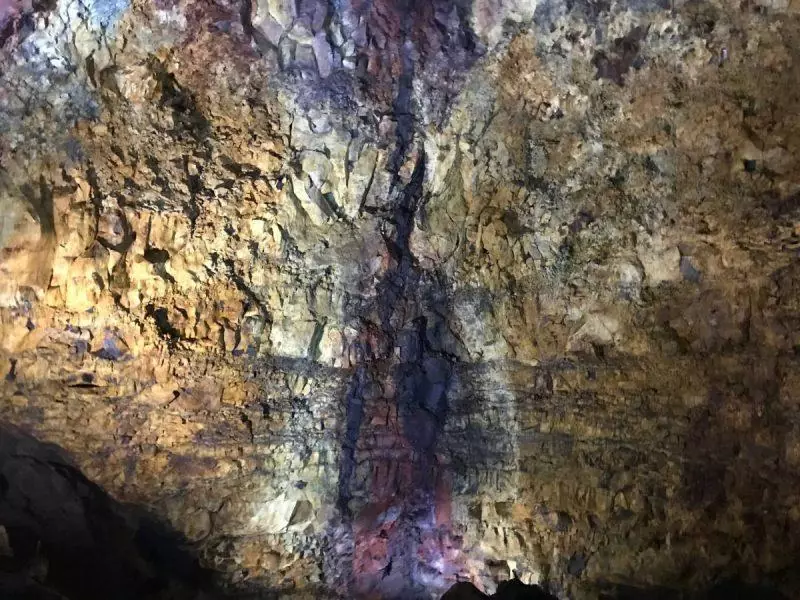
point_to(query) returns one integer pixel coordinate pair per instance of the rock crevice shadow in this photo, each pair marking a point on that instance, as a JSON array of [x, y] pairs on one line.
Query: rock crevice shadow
[[62, 536]]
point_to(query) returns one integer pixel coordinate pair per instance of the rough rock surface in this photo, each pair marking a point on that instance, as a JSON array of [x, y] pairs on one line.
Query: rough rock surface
[[364, 297]]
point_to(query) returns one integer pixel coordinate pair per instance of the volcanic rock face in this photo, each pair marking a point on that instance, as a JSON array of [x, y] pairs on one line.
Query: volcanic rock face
[[365, 297]]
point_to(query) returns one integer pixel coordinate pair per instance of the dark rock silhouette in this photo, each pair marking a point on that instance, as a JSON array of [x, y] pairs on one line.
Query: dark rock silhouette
[[728, 589], [507, 590], [64, 537], [516, 590]]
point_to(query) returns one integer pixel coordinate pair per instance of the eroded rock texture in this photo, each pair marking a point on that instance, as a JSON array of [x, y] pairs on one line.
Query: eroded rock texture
[[365, 297]]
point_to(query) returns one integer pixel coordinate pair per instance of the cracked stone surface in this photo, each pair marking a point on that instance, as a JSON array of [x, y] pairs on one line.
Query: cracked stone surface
[[366, 297]]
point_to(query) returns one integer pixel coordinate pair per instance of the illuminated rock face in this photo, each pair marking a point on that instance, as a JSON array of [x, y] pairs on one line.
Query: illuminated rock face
[[364, 298]]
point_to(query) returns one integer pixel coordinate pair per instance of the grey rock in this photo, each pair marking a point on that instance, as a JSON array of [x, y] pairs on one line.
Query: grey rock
[[323, 55]]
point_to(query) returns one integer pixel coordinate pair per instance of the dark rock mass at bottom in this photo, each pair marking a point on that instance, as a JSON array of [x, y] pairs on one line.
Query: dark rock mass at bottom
[[63, 537]]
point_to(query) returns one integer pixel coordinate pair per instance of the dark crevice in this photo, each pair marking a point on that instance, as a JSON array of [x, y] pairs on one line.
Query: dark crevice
[[188, 118], [12, 372], [410, 308], [243, 287], [160, 317]]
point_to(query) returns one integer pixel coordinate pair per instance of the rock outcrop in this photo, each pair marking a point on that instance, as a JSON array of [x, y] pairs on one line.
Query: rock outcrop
[[63, 537], [367, 297]]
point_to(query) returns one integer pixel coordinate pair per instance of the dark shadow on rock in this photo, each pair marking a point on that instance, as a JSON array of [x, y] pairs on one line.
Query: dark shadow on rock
[[625, 592], [732, 589], [507, 590], [737, 590], [516, 590], [63, 537]]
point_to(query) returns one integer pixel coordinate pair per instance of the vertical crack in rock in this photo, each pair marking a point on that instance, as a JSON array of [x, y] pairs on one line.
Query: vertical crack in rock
[[354, 408], [402, 106], [399, 508]]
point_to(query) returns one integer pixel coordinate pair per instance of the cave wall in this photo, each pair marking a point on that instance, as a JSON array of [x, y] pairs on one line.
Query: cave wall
[[363, 297]]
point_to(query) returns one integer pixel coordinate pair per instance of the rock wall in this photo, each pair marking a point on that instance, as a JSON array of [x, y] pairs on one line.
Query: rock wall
[[364, 297]]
